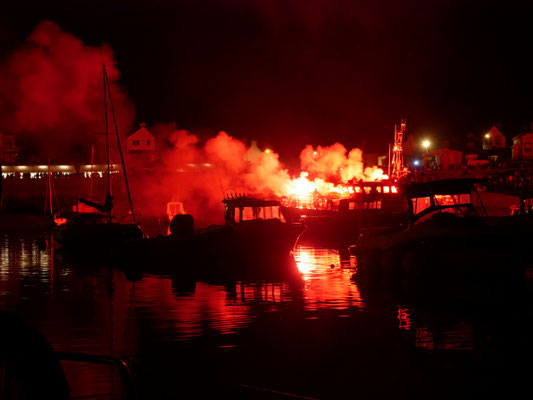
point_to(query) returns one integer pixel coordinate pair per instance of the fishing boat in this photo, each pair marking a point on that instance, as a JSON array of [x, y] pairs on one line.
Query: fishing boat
[[91, 226], [449, 236], [259, 227], [340, 219], [255, 237]]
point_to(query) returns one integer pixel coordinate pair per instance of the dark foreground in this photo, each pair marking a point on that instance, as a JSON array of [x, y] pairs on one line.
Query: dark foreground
[[320, 336]]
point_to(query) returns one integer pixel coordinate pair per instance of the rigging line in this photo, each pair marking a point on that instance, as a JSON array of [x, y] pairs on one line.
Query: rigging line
[[92, 165], [50, 187], [119, 147], [106, 128]]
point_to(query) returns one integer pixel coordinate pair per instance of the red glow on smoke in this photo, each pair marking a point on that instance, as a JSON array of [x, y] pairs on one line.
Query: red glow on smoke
[[51, 93], [224, 164]]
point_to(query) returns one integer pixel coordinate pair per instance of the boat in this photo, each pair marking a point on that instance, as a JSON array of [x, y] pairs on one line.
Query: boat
[[259, 226], [91, 226], [449, 235], [255, 237], [340, 219]]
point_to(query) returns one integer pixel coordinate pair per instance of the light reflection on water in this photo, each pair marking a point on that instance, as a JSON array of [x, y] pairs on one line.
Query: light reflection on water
[[100, 311], [184, 309], [327, 281]]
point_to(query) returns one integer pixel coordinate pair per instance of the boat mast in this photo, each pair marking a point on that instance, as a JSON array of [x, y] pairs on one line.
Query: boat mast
[[50, 188], [106, 82], [92, 167], [106, 130]]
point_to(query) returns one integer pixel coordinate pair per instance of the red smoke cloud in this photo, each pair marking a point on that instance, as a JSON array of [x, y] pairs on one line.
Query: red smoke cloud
[[51, 94], [200, 175]]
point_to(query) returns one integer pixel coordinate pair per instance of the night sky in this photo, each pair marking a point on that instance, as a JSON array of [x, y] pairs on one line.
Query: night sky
[[296, 72]]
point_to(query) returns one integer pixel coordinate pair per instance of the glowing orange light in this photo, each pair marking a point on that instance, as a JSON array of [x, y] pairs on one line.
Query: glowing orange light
[[304, 263], [386, 189], [268, 151], [394, 189], [60, 221]]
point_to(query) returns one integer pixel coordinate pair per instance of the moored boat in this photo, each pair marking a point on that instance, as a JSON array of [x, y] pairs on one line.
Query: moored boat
[[254, 237], [92, 228], [340, 219], [449, 237]]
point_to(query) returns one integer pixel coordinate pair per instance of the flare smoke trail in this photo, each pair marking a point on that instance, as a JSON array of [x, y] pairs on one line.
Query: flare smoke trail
[[224, 164], [51, 94]]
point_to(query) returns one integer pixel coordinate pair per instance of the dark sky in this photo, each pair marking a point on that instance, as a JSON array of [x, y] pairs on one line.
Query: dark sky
[[293, 72]]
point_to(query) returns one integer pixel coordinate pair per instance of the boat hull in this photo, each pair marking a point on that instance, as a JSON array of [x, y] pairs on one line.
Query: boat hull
[[459, 248], [232, 250]]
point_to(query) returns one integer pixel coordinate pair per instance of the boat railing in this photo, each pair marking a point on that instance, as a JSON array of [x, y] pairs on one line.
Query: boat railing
[[117, 363]]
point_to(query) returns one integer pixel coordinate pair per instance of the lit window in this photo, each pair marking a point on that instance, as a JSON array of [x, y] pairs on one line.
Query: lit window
[[420, 204]]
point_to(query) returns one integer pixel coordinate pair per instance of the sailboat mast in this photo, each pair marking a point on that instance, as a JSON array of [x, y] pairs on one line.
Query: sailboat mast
[[92, 165], [104, 73], [119, 147], [50, 188]]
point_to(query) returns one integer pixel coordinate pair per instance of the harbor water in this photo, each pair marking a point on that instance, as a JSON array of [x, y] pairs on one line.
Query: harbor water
[[318, 335]]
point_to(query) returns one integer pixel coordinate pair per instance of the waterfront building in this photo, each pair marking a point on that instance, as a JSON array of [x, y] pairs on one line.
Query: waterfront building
[[522, 148], [8, 149], [140, 147]]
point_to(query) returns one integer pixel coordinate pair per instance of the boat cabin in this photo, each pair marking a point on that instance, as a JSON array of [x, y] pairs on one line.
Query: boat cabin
[[455, 196], [353, 196], [237, 210], [380, 195], [313, 202]]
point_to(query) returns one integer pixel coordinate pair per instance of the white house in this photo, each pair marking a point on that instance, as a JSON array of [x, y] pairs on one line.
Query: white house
[[141, 140], [141, 147], [523, 147], [493, 139]]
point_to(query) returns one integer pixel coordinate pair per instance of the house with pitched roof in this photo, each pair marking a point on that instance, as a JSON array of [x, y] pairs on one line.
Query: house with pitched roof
[[140, 147]]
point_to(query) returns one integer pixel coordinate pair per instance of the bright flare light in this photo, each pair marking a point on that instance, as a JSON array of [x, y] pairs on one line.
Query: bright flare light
[[426, 143]]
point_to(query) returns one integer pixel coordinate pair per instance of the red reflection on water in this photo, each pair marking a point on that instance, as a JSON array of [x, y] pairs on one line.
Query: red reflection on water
[[404, 319], [185, 314], [328, 282], [457, 337]]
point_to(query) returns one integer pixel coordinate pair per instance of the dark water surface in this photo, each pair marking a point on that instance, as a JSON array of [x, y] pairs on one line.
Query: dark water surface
[[318, 336]]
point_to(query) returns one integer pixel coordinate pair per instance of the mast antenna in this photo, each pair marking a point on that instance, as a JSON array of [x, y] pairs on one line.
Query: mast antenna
[[397, 150]]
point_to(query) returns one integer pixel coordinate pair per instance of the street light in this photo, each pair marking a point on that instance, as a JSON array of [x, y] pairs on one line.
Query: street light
[[425, 144]]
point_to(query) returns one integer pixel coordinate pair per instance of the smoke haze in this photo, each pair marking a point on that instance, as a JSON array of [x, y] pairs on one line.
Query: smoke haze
[[51, 93], [201, 174]]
